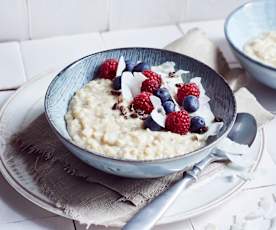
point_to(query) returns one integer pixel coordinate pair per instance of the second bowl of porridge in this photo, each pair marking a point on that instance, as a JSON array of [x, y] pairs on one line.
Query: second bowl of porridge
[[251, 33], [139, 112]]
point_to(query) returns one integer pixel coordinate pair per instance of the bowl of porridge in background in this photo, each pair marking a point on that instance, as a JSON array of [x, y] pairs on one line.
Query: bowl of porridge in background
[[251, 33]]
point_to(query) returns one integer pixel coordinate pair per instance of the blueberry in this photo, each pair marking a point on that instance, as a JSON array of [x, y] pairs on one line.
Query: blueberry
[[129, 65], [191, 103], [117, 83], [149, 123], [163, 94], [169, 106], [197, 124], [140, 67]]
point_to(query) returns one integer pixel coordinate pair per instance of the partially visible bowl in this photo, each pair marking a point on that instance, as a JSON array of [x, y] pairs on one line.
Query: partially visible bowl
[[76, 75], [249, 21]]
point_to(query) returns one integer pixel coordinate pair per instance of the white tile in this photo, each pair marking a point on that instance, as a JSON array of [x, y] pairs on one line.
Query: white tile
[[4, 95], [52, 223], [14, 207], [125, 14], [42, 55], [175, 226], [13, 20], [51, 17], [12, 72], [215, 31], [156, 37], [210, 9], [242, 204]]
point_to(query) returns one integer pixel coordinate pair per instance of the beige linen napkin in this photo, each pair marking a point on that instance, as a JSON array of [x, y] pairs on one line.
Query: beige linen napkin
[[93, 197]]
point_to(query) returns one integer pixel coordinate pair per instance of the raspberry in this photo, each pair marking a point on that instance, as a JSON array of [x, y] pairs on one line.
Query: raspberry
[[178, 122], [186, 90], [153, 76], [142, 102], [108, 69], [150, 85]]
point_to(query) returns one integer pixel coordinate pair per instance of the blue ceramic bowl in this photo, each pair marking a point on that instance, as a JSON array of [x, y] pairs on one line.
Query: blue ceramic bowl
[[76, 75], [249, 21]]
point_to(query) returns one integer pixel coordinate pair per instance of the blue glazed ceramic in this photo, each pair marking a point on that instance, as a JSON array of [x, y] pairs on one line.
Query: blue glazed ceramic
[[76, 75], [245, 23]]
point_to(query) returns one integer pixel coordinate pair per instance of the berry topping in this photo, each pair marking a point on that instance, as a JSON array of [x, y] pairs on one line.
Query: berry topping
[[150, 85], [108, 69], [178, 122], [169, 106], [117, 83], [190, 103], [143, 103], [149, 123], [129, 65], [140, 67], [197, 124], [186, 90], [153, 76], [163, 94]]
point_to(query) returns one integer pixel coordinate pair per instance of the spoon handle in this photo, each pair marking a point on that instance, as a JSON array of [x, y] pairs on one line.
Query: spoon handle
[[150, 214]]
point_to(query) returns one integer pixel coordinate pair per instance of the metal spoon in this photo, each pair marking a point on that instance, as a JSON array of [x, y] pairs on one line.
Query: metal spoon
[[243, 131]]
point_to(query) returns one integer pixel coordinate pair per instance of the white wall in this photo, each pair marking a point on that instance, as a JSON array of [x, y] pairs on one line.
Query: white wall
[[31, 19]]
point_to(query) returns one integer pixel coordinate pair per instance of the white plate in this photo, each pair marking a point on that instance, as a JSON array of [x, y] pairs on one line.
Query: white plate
[[19, 111]]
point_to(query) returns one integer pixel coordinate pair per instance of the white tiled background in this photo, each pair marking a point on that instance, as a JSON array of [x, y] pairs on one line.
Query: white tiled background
[[32, 19], [38, 36]]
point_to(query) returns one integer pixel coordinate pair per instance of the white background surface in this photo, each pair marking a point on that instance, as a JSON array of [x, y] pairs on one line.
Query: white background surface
[[20, 61], [32, 19]]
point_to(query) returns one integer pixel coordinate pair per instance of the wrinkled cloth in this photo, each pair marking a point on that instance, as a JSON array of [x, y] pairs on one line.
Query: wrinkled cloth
[[94, 197]]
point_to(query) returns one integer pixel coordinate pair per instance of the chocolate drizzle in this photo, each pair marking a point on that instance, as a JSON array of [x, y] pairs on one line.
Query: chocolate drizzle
[[218, 119], [178, 85], [116, 92], [171, 74]]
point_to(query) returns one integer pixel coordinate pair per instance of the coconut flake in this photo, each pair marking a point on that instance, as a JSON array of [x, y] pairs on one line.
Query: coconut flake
[[214, 128], [164, 69], [136, 83], [253, 215], [125, 85], [131, 85], [139, 76], [121, 66], [158, 117], [203, 98], [238, 154], [181, 73], [158, 114], [156, 102]]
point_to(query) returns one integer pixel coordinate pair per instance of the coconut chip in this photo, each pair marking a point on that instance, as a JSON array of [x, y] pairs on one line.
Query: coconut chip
[[164, 69], [125, 85], [158, 117], [121, 66], [158, 114], [131, 85]]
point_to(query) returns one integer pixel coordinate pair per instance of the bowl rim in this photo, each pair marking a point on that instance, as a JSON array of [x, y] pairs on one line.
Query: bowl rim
[[160, 160], [232, 44]]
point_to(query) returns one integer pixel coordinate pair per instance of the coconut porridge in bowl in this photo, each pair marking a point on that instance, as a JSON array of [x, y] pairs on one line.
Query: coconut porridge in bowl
[[139, 112], [263, 48]]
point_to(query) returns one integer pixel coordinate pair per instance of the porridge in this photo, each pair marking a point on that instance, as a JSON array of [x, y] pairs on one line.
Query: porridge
[[134, 111], [263, 48]]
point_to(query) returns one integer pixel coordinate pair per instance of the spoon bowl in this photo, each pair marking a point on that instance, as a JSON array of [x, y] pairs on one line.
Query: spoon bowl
[[244, 129]]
